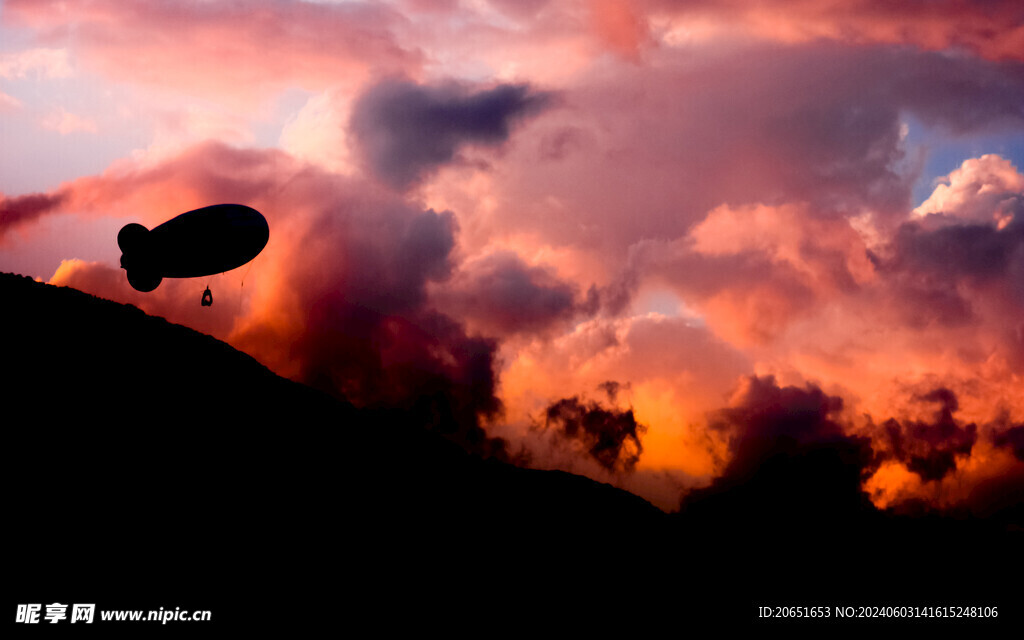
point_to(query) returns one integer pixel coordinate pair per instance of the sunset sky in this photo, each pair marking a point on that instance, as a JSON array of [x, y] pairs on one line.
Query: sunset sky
[[722, 208]]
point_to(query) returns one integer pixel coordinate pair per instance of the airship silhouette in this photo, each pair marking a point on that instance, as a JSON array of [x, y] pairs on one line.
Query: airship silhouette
[[197, 243]]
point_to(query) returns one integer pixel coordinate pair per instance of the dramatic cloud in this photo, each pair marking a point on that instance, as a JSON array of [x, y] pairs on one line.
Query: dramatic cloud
[[1014, 439], [608, 435], [764, 267], [816, 126], [336, 300], [929, 450], [406, 130], [502, 295], [675, 373], [480, 208], [797, 458], [350, 302], [978, 253], [960, 263], [764, 417], [963, 253], [791, 462]]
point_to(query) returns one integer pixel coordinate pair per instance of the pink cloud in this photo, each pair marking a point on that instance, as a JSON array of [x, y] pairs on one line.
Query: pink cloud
[[19, 210], [40, 62], [628, 154], [993, 30], [8, 103], [235, 53], [64, 122]]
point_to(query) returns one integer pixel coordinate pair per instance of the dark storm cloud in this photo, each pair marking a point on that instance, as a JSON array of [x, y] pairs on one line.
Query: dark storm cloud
[[938, 270], [504, 295], [790, 461], [980, 252], [405, 130], [609, 436], [360, 275], [395, 282], [765, 417], [945, 89], [929, 449], [1013, 438], [794, 470], [421, 370]]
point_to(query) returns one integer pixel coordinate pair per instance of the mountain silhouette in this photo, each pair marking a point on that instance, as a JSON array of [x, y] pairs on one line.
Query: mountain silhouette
[[150, 465]]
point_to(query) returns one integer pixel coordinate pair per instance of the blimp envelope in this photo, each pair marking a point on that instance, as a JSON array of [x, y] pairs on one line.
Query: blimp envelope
[[198, 243]]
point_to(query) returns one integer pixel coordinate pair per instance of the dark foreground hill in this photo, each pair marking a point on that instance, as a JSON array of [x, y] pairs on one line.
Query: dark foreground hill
[[147, 466], [151, 464]]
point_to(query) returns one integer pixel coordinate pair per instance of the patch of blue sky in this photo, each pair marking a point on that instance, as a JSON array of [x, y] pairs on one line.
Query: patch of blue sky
[[946, 151]]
